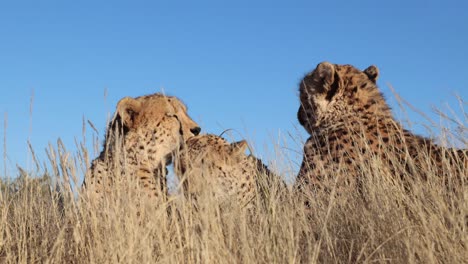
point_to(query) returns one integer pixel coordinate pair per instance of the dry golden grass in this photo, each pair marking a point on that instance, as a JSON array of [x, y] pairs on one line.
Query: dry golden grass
[[44, 221]]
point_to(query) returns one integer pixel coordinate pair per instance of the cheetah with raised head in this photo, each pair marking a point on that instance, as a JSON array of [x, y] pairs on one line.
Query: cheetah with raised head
[[140, 141], [350, 123], [210, 164]]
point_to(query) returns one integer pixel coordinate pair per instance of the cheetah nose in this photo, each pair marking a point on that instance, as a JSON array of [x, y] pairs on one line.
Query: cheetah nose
[[195, 130]]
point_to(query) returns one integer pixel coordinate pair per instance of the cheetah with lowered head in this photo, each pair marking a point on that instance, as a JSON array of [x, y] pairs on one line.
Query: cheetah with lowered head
[[211, 165], [350, 124], [140, 140]]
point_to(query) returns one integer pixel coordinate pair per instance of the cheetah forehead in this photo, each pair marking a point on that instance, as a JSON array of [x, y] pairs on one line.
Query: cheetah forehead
[[333, 82], [352, 75], [327, 77], [216, 147], [208, 143], [161, 102], [156, 108]]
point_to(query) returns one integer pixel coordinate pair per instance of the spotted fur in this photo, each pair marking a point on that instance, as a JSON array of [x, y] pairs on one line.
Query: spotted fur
[[212, 165], [140, 140], [350, 124]]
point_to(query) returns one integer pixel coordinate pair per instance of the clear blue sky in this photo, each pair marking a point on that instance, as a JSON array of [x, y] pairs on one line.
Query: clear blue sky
[[236, 66]]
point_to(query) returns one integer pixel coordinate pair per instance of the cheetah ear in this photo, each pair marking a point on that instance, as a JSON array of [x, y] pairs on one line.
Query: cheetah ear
[[128, 108], [372, 72], [239, 147], [325, 72]]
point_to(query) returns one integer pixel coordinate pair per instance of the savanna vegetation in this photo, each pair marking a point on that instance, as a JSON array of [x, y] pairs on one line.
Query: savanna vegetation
[[44, 219]]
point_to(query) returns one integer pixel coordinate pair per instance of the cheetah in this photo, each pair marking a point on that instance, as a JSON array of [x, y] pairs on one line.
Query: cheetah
[[210, 164], [350, 123], [140, 141]]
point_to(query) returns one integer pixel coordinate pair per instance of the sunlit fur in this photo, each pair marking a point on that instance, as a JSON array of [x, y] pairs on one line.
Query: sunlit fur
[[140, 140], [350, 124]]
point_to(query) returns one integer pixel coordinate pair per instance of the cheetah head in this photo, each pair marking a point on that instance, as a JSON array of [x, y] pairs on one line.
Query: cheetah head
[[331, 90], [153, 127], [206, 151]]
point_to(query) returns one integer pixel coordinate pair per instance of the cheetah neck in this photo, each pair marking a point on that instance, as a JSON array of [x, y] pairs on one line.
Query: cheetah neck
[[352, 120]]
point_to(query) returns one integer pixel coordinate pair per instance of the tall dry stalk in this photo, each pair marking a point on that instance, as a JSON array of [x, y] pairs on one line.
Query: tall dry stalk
[[387, 221], [5, 127]]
